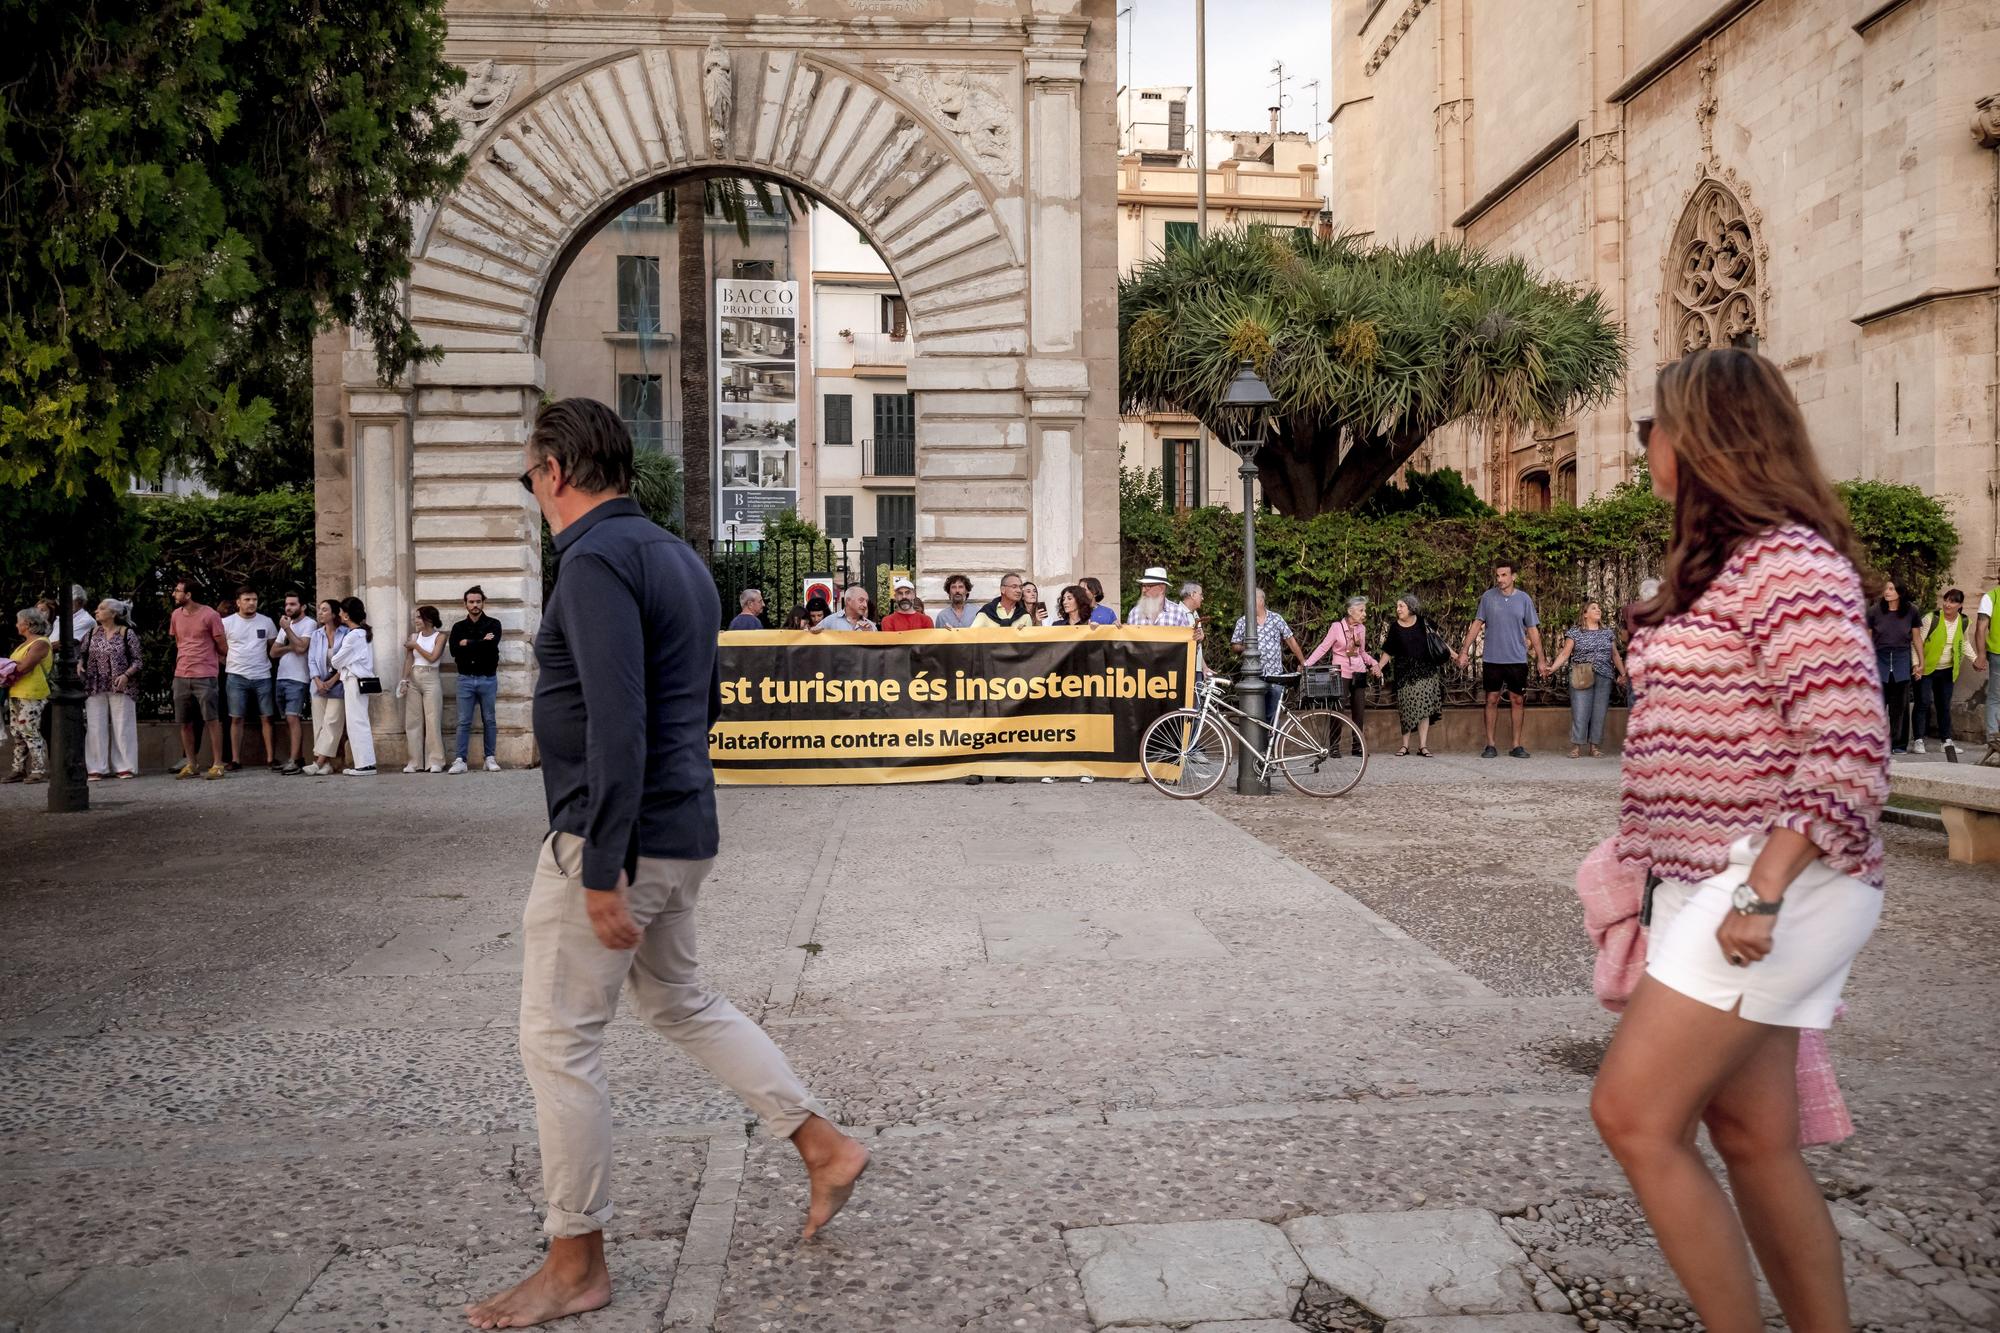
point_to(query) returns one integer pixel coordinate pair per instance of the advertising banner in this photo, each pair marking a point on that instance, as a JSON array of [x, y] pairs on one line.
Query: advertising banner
[[757, 402], [810, 709]]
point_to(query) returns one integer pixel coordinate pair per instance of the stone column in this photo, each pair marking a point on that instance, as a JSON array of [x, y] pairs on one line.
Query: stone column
[[1453, 116], [471, 523], [1604, 446], [378, 434], [1058, 380]]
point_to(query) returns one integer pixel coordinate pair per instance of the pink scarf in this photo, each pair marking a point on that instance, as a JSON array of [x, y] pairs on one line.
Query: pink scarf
[[1612, 891]]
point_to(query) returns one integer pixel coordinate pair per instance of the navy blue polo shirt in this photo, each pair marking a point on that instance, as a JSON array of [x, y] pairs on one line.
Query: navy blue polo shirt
[[627, 692]]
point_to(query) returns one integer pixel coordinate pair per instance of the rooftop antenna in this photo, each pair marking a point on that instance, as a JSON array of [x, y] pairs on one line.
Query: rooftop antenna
[[1278, 69], [1314, 85]]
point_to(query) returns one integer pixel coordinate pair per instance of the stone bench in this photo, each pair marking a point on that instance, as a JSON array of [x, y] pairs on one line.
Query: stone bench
[[1969, 803]]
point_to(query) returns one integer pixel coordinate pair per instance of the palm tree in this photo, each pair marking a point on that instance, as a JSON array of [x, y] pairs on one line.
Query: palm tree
[[1367, 348], [730, 199]]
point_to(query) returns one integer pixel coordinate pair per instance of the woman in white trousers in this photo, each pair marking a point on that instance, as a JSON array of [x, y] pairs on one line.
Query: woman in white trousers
[[110, 657], [328, 707], [355, 660], [423, 692]]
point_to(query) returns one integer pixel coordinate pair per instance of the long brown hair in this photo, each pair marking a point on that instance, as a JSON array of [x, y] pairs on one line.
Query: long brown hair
[[1081, 598], [1744, 464]]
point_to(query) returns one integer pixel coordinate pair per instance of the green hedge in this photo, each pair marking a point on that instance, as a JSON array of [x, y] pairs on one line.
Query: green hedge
[[1602, 549]]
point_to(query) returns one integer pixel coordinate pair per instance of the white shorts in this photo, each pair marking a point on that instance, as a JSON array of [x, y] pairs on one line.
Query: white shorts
[[1826, 919]]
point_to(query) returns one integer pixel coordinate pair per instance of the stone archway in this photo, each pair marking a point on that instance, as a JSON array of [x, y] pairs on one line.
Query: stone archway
[[958, 146]]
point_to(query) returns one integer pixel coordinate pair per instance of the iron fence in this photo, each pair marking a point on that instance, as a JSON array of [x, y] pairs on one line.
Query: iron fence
[[788, 572]]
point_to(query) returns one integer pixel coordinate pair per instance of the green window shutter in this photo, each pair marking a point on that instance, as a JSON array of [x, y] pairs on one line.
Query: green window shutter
[[840, 418]]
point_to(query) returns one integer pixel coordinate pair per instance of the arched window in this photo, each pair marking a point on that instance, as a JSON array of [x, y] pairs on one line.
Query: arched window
[[1566, 482], [1714, 292], [1534, 497]]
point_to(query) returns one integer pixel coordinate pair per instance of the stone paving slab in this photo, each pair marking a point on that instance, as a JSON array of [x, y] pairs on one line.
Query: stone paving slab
[[1485, 1323], [425, 1288], [1425, 1262], [245, 1295], [1178, 1273], [1101, 936]]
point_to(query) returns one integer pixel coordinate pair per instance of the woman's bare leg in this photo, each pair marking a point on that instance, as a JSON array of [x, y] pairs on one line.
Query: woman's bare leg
[[1667, 1060], [1753, 1122]]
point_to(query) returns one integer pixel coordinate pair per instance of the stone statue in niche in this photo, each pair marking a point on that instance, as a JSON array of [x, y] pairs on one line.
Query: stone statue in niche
[[973, 107], [718, 93], [487, 88]]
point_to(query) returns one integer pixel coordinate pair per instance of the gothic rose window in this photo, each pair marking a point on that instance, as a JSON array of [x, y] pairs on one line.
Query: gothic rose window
[[1713, 283]]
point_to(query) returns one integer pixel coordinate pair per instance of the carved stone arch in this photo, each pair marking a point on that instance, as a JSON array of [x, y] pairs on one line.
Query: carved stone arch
[[1713, 291], [920, 138], [546, 173]]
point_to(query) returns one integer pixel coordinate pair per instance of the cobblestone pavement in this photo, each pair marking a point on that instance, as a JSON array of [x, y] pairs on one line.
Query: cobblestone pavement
[[258, 1070]]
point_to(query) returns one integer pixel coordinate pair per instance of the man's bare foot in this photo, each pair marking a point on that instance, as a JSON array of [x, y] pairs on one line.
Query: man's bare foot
[[834, 1162], [572, 1280]]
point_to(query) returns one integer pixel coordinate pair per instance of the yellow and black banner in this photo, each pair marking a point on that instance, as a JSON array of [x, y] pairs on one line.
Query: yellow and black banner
[[801, 708]]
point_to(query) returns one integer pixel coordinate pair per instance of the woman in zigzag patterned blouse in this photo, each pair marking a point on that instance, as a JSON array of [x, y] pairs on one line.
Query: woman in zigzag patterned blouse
[[1755, 768]]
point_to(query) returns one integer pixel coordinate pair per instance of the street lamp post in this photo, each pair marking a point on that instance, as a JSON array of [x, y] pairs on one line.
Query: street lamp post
[[69, 788], [1248, 393]]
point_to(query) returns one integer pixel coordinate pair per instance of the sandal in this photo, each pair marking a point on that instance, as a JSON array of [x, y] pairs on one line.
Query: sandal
[[1403, 753], [1575, 753], [1424, 752]]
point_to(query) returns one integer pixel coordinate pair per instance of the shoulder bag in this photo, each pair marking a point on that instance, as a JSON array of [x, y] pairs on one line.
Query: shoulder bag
[[1434, 643], [1582, 676]]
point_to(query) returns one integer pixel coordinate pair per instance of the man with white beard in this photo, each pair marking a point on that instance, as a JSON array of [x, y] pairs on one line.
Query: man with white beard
[[1153, 607]]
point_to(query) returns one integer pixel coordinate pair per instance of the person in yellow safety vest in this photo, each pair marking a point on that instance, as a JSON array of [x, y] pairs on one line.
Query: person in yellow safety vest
[[1987, 634], [1944, 643]]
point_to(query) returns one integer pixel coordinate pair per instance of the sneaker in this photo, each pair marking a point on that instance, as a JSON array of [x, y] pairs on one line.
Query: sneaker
[[93, 777], [1086, 778], [216, 772], [1917, 747], [1046, 781], [291, 769], [1008, 781], [232, 767], [1519, 752], [128, 774], [974, 780], [435, 768], [410, 767], [1897, 749], [1489, 753], [492, 764], [186, 770], [277, 767], [367, 772], [457, 766]]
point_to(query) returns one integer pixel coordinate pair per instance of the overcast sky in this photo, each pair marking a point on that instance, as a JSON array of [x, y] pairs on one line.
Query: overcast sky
[[1245, 37]]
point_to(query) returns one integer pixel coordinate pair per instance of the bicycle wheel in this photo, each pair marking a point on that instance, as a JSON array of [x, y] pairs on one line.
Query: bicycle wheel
[[1184, 754], [1316, 753]]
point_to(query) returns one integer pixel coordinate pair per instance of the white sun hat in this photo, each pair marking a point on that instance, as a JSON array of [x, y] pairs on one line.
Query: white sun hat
[[1153, 574]]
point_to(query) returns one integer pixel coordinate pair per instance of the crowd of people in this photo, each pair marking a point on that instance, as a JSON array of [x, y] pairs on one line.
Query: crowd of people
[[307, 676]]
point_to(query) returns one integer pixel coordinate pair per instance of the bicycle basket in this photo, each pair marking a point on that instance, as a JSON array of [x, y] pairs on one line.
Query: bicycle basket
[[1323, 685]]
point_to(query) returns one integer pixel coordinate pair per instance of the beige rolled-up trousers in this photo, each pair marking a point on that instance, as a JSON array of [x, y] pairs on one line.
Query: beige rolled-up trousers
[[423, 725], [329, 725], [569, 991]]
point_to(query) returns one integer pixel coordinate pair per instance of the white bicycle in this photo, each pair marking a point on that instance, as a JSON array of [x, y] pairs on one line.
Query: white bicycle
[[1186, 753]]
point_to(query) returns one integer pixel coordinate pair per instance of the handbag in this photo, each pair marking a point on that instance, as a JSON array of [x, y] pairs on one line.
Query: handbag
[[1582, 676], [1434, 643], [368, 684]]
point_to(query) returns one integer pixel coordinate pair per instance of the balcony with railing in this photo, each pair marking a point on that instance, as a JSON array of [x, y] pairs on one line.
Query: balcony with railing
[[880, 353], [891, 459]]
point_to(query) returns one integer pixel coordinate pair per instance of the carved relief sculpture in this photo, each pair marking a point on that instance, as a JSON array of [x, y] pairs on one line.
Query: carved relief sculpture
[[487, 88], [973, 107], [718, 94], [1714, 296], [1986, 122]]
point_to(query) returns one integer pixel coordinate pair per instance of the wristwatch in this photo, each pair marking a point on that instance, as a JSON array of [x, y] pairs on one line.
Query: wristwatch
[[1747, 902]]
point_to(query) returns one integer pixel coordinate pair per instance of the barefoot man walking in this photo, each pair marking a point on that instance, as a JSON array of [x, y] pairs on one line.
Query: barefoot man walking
[[628, 690]]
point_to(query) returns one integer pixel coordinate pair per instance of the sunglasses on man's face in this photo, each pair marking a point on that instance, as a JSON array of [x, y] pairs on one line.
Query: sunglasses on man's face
[[1645, 428], [528, 477]]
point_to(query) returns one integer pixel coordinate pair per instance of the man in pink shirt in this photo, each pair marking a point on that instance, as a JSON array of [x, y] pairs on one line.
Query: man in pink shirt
[[199, 649]]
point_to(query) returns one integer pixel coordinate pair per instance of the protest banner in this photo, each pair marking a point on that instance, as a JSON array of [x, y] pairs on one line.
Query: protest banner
[[811, 709]]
